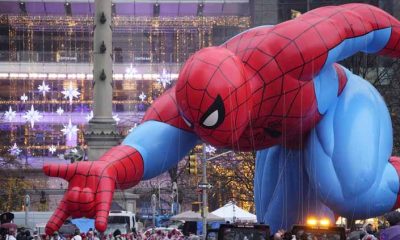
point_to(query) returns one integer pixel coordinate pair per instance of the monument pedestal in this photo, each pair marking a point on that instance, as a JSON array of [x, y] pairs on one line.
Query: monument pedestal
[[101, 135]]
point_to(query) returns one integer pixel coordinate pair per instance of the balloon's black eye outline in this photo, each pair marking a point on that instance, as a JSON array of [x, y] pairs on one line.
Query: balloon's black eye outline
[[215, 114]]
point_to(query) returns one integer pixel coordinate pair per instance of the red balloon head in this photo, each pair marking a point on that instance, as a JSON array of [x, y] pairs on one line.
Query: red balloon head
[[213, 96]]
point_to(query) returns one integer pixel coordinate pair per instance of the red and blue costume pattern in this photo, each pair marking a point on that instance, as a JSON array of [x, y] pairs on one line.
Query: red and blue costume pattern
[[323, 134]]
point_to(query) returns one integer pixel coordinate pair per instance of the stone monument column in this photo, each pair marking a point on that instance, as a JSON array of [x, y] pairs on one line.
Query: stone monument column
[[102, 132]]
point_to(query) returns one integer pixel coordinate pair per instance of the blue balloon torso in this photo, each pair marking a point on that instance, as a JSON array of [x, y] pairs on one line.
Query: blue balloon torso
[[343, 165]]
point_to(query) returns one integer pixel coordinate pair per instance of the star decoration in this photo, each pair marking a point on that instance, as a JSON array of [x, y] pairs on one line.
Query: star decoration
[[89, 116], [131, 70], [210, 149], [14, 150], [142, 96], [70, 92], [60, 111], [52, 149], [32, 116], [10, 114], [24, 98], [69, 130], [116, 118], [44, 88], [165, 78]]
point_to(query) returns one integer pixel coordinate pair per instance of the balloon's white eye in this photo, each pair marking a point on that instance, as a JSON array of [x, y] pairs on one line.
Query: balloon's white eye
[[215, 114], [211, 120], [187, 121]]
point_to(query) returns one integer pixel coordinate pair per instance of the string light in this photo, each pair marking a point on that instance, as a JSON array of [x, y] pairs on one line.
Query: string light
[[64, 30]]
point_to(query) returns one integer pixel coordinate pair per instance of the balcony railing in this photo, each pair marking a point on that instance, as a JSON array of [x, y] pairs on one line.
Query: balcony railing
[[87, 56]]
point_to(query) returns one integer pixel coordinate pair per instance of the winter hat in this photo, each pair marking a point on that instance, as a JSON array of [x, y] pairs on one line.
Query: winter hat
[[117, 232]]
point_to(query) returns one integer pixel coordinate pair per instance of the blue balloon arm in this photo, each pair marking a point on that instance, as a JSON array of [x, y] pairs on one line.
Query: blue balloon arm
[[161, 145]]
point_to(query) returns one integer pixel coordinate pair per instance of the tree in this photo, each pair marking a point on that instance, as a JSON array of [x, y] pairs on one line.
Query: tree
[[12, 193], [233, 179], [6, 159]]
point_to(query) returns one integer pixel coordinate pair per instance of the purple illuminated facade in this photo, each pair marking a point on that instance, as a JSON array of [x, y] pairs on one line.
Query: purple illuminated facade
[[49, 44]]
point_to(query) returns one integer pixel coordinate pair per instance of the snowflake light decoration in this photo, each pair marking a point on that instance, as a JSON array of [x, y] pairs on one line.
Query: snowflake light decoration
[[10, 114], [116, 118], [210, 149], [44, 88], [52, 149], [142, 96], [24, 98], [165, 78], [60, 111], [131, 71], [69, 130], [89, 116], [15, 150], [32, 116], [70, 92]]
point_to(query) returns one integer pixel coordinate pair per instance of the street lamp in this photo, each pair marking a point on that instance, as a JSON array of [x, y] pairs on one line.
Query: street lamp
[[153, 207], [204, 186], [27, 203], [175, 205], [159, 195]]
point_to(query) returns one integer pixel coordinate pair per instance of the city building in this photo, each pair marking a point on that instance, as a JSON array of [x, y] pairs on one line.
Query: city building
[[46, 62]]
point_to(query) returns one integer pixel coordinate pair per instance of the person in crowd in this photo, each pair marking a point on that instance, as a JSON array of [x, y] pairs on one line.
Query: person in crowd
[[11, 234], [134, 233], [393, 231], [287, 236], [77, 235], [90, 234], [84, 236], [95, 236], [56, 236], [279, 234], [369, 232], [28, 235], [21, 234], [117, 235], [193, 237], [36, 235]]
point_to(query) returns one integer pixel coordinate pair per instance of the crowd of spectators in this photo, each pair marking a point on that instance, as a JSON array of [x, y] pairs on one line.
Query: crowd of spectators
[[368, 232]]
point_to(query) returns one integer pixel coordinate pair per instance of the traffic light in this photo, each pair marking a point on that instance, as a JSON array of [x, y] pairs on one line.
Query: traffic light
[[193, 164], [42, 197]]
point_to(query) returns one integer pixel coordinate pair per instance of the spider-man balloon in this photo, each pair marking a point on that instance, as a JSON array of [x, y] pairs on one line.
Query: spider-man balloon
[[323, 134]]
